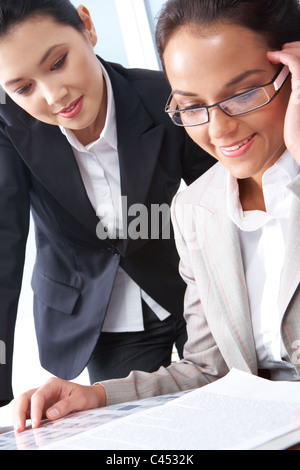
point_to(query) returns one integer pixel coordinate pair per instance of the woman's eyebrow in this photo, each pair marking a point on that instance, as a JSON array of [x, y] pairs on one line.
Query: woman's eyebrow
[[48, 53], [42, 61], [183, 93], [243, 76], [13, 82], [231, 83]]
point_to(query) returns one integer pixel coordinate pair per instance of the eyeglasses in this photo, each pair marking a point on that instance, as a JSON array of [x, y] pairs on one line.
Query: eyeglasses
[[242, 103]]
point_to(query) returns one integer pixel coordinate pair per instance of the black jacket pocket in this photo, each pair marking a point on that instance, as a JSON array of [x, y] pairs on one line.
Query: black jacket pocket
[[56, 295]]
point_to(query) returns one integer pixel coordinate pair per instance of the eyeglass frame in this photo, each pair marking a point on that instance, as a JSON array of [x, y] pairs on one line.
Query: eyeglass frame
[[284, 71]]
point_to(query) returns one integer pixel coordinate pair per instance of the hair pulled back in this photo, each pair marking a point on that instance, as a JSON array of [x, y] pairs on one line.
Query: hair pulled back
[[277, 20], [15, 12]]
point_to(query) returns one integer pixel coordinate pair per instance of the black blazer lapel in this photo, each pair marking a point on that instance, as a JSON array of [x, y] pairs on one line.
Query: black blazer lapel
[[50, 158], [139, 145]]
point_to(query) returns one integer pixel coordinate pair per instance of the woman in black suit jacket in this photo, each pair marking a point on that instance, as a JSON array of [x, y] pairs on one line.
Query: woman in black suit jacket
[[55, 84]]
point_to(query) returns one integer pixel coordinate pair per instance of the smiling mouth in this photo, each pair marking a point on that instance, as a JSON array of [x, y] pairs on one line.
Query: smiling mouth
[[73, 109], [237, 146]]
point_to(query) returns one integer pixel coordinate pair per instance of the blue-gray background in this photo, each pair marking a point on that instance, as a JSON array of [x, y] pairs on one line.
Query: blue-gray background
[[105, 17]]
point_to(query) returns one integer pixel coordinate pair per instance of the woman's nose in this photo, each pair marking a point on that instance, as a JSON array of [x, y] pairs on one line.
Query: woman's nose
[[54, 93], [220, 124]]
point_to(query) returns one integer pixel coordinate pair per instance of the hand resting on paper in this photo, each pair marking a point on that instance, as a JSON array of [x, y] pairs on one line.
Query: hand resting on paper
[[54, 400]]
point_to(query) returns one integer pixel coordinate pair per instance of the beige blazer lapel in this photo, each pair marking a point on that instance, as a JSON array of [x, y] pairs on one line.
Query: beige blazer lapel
[[222, 255], [291, 269], [289, 290]]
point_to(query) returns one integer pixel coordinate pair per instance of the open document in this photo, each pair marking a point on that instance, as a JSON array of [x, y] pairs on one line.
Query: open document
[[239, 411]]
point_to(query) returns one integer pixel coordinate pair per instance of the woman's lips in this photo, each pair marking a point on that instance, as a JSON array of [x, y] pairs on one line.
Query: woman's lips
[[73, 110], [237, 149]]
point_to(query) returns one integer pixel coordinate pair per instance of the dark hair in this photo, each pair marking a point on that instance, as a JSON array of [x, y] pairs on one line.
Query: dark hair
[[14, 12], [277, 20]]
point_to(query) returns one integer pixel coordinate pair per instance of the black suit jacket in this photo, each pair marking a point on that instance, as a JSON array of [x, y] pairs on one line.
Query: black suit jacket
[[74, 271]]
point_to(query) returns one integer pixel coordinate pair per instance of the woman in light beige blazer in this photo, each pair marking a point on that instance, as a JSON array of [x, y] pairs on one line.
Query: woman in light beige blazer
[[237, 227]]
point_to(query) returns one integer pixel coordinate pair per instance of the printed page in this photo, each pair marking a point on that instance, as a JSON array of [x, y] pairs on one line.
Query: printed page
[[57, 431], [240, 411]]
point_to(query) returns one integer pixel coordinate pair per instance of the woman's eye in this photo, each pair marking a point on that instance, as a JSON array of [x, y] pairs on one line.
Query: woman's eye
[[58, 65], [192, 107], [24, 90]]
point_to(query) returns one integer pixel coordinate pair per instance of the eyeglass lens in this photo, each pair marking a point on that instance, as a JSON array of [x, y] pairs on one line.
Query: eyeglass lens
[[237, 105]]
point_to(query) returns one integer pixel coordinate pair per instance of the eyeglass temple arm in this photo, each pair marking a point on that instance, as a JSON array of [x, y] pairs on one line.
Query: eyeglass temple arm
[[281, 78]]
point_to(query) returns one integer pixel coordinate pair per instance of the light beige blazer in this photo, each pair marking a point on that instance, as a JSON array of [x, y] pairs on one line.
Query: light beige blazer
[[217, 311]]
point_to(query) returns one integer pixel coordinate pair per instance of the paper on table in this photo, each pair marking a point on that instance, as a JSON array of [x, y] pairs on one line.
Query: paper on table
[[58, 431], [240, 411]]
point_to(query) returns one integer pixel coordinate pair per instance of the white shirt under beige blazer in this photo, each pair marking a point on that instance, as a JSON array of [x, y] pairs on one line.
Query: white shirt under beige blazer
[[217, 307]]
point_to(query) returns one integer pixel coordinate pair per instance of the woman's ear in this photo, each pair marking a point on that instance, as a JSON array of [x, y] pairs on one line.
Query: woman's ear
[[85, 16]]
